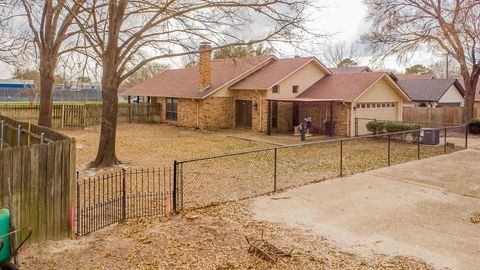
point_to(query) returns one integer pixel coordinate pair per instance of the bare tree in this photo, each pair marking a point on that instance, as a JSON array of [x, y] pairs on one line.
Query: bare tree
[[146, 72], [402, 27], [48, 27], [335, 54], [125, 35]]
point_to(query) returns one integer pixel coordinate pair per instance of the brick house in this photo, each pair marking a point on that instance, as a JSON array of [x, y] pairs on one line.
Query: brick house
[[268, 94]]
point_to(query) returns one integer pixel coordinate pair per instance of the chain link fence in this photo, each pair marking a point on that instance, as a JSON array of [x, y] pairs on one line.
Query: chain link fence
[[207, 181]]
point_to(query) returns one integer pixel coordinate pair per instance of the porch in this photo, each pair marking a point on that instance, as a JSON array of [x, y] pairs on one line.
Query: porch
[[317, 115]]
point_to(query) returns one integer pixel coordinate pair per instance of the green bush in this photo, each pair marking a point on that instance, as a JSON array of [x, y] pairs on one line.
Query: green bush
[[376, 127], [474, 126], [394, 127]]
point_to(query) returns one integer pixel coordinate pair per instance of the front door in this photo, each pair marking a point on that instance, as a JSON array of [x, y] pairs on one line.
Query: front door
[[243, 114]]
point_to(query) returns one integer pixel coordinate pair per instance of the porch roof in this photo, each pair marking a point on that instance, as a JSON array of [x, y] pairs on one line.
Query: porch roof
[[303, 100]]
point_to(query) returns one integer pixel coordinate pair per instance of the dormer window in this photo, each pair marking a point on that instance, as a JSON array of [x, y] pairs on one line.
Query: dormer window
[[276, 89], [295, 89]]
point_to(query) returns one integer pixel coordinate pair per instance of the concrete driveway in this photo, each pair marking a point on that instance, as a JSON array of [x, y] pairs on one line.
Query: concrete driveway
[[414, 209]]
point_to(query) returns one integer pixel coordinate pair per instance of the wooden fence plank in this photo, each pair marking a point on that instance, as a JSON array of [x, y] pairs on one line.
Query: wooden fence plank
[[59, 178], [42, 192], [50, 192], [34, 190]]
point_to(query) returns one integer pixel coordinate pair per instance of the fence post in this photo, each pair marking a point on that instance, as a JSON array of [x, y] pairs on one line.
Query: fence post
[[174, 191], [2, 125], [124, 195], [418, 145], [389, 151], [19, 135], [341, 158], [445, 142], [78, 205], [275, 169]]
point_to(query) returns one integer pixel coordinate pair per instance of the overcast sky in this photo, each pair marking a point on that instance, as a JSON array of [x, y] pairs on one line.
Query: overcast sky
[[343, 18]]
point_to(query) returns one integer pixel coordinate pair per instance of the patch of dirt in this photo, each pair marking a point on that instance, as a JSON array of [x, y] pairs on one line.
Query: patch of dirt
[[475, 219], [211, 238]]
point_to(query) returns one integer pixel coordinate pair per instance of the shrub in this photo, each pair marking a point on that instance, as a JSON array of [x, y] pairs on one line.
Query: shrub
[[376, 127], [394, 127], [474, 126]]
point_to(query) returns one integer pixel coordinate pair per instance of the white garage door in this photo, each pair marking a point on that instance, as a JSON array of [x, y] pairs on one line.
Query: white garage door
[[379, 111]]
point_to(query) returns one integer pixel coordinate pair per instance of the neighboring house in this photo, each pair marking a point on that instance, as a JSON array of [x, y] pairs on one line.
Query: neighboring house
[[402, 77], [433, 93], [344, 70], [268, 94]]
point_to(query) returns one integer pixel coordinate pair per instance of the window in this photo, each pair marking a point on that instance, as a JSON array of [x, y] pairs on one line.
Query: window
[[172, 107], [274, 114], [295, 89], [393, 104], [276, 89]]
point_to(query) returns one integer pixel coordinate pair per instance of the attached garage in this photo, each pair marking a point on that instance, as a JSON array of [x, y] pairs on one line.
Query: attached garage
[[383, 100], [368, 96]]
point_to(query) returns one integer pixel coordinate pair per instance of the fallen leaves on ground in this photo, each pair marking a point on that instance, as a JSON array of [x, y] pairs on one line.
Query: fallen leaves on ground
[[210, 238]]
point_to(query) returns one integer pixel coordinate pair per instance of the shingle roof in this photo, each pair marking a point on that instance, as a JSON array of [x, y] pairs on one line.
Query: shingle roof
[[414, 76], [184, 82], [272, 73], [343, 70], [346, 87], [428, 90]]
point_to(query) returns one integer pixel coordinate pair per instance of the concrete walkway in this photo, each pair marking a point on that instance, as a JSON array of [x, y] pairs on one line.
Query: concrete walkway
[[415, 209]]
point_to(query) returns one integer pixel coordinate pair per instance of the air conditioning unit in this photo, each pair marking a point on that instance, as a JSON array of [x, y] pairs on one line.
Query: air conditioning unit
[[430, 136]]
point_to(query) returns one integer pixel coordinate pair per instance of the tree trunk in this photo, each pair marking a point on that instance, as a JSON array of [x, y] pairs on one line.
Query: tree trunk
[[470, 89], [47, 79], [106, 155]]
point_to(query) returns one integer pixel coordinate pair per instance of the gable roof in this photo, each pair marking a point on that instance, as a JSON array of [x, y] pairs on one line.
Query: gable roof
[[414, 76], [275, 72], [184, 82], [430, 89], [343, 70], [346, 87]]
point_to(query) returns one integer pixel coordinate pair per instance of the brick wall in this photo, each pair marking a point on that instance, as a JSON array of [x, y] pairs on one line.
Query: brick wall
[[214, 112], [217, 112], [320, 114]]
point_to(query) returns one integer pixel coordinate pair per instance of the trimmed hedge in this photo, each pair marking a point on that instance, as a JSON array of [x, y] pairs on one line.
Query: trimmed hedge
[[379, 127], [474, 126], [376, 127]]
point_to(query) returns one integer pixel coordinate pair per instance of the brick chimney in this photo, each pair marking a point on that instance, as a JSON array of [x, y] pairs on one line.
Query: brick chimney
[[205, 66]]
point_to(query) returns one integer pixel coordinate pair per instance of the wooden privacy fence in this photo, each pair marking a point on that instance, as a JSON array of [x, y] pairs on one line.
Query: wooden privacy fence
[[445, 115], [42, 177], [78, 116]]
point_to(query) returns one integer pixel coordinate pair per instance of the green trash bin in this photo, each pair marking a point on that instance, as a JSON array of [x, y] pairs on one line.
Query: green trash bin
[[5, 251]]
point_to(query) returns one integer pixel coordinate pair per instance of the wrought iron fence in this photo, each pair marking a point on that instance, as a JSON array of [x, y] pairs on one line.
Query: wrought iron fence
[[113, 197]]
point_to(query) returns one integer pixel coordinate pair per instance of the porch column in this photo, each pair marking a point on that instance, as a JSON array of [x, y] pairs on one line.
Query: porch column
[[269, 118], [331, 120]]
